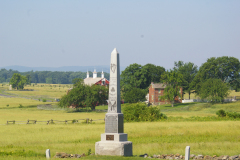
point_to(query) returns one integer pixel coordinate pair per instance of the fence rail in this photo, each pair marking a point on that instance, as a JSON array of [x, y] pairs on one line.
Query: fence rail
[[87, 120]]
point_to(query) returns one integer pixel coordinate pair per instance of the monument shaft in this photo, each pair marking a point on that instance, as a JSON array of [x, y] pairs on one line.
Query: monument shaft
[[114, 105], [114, 117]]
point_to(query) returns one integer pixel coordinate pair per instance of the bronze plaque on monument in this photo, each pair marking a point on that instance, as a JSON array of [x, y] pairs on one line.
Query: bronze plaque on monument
[[110, 137]]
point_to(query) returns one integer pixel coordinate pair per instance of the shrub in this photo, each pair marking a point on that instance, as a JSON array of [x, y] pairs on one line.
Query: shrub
[[141, 112], [89, 152], [221, 113], [44, 100], [74, 121], [233, 115], [20, 106], [7, 105]]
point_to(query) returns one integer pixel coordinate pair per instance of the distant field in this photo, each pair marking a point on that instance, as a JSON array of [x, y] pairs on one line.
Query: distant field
[[36, 91], [193, 95]]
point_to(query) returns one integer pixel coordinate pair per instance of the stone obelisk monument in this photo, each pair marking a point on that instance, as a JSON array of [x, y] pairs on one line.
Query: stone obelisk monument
[[114, 141]]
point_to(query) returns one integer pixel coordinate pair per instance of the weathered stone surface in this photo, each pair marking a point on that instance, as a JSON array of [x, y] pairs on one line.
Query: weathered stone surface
[[225, 157], [155, 156], [233, 157], [121, 148], [207, 157], [114, 123], [192, 155]]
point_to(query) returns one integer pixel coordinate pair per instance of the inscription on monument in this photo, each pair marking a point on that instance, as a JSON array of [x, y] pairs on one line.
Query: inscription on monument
[[109, 137], [111, 124]]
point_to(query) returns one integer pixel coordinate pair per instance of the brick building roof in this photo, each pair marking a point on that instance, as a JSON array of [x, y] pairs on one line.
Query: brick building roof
[[158, 85]]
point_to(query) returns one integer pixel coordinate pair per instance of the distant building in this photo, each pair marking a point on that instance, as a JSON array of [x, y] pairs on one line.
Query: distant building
[[156, 90], [96, 80]]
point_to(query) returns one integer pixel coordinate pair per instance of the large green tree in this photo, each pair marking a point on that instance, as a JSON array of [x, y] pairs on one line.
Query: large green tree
[[135, 95], [214, 90], [225, 68], [84, 95], [189, 71], [152, 73], [138, 76], [172, 81], [18, 81], [97, 95]]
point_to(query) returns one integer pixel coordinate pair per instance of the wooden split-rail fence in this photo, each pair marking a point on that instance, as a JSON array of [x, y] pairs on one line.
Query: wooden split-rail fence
[[87, 120]]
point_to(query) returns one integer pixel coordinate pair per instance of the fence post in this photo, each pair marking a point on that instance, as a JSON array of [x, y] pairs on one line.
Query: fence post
[[35, 121], [27, 121], [7, 122], [51, 121], [48, 122], [87, 120], [13, 121], [65, 121], [91, 121]]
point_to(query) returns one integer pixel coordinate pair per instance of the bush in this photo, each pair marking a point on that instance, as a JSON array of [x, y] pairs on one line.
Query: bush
[[44, 100], [233, 115], [221, 113], [141, 112], [20, 106]]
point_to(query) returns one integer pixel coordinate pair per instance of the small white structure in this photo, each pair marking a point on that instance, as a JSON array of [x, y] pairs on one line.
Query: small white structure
[[48, 153], [187, 153], [10, 87], [95, 80]]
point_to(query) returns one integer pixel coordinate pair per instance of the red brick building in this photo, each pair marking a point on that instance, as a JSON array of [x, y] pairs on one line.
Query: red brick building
[[156, 90]]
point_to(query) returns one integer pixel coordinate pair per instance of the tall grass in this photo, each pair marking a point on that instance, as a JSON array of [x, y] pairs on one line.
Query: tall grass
[[208, 138]]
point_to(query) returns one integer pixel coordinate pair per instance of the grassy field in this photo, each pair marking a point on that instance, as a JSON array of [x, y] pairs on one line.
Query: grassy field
[[21, 141], [193, 95], [36, 91]]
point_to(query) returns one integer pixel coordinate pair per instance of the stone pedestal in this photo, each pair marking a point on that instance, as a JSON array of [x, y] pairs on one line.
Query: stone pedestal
[[115, 144], [114, 148]]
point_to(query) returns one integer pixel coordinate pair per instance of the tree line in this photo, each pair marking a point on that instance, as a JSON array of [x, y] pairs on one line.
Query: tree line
[[47, 76], [211, 81]]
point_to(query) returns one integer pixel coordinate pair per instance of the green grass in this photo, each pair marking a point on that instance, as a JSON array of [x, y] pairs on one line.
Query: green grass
[[188, 124]]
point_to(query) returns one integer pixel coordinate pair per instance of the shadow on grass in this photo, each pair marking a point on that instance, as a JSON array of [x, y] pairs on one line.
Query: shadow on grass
[[79, 110], [20, 106]]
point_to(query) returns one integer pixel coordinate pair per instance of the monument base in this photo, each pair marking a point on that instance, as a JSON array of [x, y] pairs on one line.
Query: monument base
[[114, 144]]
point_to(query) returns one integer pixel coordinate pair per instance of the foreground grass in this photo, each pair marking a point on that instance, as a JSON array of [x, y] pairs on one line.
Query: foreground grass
[[208, 138]]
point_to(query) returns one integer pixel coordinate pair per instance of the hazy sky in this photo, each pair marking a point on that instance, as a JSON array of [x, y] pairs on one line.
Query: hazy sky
[[43, 33]]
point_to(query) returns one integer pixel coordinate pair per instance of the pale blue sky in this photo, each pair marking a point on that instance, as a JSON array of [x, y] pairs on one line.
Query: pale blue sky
[[43, 33]]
